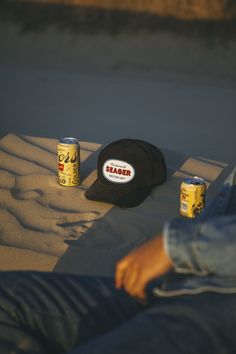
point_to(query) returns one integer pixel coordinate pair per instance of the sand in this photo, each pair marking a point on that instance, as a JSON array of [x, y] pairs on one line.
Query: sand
[[101, 75], [45, 226], [196, 9], [172, 86]]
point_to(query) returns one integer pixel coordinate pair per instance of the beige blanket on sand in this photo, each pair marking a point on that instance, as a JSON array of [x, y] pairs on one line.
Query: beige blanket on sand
[[45, 226]]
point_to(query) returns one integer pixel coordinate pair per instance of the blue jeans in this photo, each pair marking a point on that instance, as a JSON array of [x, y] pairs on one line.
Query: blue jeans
[[64, 313], [52, 313]]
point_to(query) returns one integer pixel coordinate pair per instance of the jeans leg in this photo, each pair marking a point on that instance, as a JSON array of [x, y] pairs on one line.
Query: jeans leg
[[52, 313], [13, 340], [182, 325]]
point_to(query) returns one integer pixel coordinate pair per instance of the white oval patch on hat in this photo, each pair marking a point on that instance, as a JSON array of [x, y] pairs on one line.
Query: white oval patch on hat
[[118, 171]]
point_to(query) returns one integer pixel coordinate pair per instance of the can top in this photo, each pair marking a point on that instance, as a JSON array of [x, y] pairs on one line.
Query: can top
[[68, 141], [194, 180]]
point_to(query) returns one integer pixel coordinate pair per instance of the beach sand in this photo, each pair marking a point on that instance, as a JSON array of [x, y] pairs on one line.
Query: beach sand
[[103, 75], [45, 226], [100, 75]]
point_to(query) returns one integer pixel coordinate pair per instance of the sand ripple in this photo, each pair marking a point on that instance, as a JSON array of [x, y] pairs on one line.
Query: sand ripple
[[35, 211], [38, 214]]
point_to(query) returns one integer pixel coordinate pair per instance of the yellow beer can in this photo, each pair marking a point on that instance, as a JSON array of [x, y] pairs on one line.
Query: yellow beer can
[[192, 197], [68, 162]]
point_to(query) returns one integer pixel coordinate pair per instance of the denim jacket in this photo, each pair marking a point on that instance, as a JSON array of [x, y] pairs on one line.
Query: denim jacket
[[203, 251]]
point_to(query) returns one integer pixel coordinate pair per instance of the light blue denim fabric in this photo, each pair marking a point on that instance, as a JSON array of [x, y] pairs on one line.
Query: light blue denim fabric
[[204, 248]]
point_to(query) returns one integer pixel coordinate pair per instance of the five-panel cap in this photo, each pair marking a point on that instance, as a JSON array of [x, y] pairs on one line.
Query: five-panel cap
[[127, 171]]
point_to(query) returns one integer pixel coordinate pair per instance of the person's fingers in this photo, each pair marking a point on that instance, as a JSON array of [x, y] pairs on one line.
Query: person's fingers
[[134, 282], [128, 275], [130, 280], [136, 290], [141, 297], [138, 294], [120, 271]]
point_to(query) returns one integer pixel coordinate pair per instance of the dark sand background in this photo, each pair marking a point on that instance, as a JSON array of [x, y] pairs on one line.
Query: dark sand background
[[100, 73]]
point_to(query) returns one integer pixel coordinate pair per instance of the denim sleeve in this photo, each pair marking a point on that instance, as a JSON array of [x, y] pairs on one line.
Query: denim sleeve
[[205, 247]]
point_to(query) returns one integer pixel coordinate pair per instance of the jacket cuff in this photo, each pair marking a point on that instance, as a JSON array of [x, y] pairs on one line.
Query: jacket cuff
[[180, 242]]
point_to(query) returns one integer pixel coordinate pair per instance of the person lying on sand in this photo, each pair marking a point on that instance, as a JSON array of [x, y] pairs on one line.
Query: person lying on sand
[[174, 294]]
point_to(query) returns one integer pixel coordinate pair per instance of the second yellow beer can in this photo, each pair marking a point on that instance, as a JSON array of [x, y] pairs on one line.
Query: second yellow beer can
[[192, 197], [69, 162]]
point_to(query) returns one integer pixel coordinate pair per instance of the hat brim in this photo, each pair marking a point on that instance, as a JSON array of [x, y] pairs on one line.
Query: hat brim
[[115, 194]]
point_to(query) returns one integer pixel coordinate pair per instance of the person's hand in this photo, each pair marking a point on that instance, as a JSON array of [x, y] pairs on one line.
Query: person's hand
[[140, 266]]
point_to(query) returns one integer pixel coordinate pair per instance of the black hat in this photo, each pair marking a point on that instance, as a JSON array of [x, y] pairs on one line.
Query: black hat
[[127, 171]]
